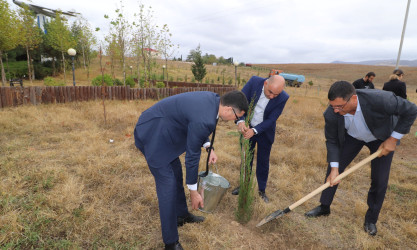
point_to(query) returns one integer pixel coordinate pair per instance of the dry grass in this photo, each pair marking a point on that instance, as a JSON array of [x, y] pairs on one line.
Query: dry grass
[[64, 185]]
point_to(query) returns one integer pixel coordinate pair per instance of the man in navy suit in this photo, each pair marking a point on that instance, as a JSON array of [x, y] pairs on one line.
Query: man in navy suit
[[178, 124], [270, 99]]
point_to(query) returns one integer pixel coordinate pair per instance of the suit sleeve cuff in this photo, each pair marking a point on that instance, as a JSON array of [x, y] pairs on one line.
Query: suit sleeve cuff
[[334, 164], [256, 131], [240, 121], [397, 135], [207, 144], [192, 186]]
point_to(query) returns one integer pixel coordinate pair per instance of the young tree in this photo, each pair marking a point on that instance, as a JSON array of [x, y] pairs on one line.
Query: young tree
[[8, 33], [87, 41], [59, 37], [166, 47], [111, 51], [198, 68], [30, 36], [120, 29]]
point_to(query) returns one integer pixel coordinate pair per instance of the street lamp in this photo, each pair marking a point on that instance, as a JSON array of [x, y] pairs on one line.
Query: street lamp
[[163, 72], [131, 72], [72, 53], [236, 64]]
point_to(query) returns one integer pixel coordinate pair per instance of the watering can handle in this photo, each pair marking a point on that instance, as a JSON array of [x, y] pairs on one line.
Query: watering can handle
[[210, 148]]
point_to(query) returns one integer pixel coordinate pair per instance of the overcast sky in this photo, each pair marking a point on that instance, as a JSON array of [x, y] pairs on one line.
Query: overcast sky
[[272, 31]]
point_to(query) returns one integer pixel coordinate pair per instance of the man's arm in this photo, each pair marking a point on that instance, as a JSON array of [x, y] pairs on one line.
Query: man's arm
[[406, 112]]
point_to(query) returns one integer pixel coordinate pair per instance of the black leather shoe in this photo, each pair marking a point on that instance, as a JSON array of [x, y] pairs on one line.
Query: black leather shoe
[[235, 191], [174, 246], [318, 211], [263, 196], [370, 228], [190, 218]]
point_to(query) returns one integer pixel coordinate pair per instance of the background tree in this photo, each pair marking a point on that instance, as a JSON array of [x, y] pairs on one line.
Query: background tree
[[166, 47], [111, 51], [198, 68], [30, 36], [8, 33], [148, 37], [86, 40], [59, 37], [120, 29]]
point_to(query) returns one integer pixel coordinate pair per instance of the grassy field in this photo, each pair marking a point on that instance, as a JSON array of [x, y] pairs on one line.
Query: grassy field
[[63, 184]]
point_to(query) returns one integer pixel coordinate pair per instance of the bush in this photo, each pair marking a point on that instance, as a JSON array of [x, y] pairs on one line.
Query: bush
[[160, 85], [130, 81], [117, 82], [49, 81], [142, 83], [98, 80]]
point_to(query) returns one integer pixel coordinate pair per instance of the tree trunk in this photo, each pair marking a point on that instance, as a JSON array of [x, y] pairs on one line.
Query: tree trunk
[[53, 66], [63, 63], [166, 68], [7, 64], [29, 67], [3, 74], [85, 67]]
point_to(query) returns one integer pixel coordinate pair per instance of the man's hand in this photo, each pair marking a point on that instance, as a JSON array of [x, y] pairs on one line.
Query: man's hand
[[242, 127], [213, 157], [196, 200], [388, 146], [249, 133], [333, 174]]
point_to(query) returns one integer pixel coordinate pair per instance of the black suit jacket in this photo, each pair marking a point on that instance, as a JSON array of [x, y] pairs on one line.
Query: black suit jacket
[[397, 87], [383, 112]]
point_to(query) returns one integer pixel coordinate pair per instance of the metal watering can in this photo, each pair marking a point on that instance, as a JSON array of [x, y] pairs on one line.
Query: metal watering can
[[211, 186]]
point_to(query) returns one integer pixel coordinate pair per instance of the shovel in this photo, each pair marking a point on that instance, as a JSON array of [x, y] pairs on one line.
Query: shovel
[[280, 213]]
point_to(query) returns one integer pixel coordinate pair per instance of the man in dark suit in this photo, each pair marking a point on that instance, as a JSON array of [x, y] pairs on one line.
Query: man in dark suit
[[366, 82], [372, 118], [269, 101], [178, 124]]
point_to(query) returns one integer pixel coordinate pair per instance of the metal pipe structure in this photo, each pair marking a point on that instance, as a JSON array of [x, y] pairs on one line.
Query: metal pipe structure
[[402, 35]]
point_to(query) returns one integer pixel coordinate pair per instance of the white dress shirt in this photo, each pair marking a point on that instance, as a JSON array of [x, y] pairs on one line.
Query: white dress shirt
[[357, 128], [258, 114]]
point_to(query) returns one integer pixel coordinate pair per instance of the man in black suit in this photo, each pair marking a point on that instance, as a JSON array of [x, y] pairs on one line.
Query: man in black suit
[[366, 82], [357, 118]]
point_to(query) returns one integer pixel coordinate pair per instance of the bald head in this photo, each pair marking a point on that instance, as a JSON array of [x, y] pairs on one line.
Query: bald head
[[273, 86]]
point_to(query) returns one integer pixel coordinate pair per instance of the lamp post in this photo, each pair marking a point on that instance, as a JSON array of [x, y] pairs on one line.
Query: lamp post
[[131, 71], [236, 64], [72, 53], [163, 72]]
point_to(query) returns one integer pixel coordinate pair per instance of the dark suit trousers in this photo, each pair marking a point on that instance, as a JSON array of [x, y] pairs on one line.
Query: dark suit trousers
[[262, 159], [171, 197], [380, 168]]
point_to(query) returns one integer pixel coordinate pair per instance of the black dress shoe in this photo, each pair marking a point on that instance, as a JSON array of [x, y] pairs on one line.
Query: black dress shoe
[[318, 211], [263, 196], [190, 218], [174, 246], [370, 228], [235, 191]]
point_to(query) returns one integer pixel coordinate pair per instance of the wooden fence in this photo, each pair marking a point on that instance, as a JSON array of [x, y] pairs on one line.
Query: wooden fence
[[16, 96]]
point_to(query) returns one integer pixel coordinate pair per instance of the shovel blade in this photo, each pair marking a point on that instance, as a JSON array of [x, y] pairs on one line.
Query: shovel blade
[[270, 217]]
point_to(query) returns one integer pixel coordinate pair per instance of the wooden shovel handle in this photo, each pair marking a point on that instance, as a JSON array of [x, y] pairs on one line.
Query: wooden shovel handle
[[339, 177]]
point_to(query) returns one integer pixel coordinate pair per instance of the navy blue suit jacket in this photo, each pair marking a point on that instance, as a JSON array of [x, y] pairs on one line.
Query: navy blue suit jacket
[[272, 110], [177, 124]]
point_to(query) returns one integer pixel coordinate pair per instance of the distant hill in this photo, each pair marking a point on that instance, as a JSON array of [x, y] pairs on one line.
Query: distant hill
[[392, 62]]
